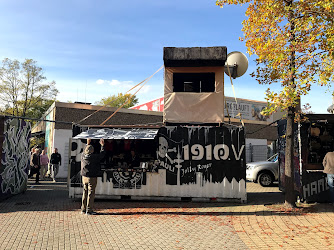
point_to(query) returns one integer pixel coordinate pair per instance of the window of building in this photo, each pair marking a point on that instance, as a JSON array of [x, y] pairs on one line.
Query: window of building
[[194, 82]]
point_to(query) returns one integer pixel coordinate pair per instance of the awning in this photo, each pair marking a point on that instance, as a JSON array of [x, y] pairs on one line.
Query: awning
[[117, 133]]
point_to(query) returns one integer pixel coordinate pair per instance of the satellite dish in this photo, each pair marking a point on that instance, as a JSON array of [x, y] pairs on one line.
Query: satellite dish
[[237, 62]]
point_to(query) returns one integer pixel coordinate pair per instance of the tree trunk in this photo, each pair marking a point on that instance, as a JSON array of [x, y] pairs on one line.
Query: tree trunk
[[290, 196]]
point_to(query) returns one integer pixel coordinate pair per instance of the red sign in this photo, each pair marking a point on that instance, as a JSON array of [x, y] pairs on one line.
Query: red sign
[[155, 105]]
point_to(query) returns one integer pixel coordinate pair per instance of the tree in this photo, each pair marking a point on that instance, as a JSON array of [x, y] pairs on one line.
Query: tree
[[118, 100], [37, 141], [294, 44], [23, 90]]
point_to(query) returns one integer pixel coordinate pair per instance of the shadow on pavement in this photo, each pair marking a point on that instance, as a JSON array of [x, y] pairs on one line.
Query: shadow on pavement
[[49, 196]]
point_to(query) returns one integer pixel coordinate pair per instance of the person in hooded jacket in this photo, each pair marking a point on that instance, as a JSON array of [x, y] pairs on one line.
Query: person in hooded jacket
[[90, 168]]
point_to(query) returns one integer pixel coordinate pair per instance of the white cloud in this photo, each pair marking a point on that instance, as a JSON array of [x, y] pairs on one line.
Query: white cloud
[[114, 82], [123, 86], [144, 89], [100, 81]]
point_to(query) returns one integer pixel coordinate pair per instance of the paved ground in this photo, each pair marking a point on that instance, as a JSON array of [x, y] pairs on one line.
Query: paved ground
[[44, 218]]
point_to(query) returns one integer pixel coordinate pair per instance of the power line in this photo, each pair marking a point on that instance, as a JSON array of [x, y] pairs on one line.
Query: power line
[[263, 127], [35, 119]]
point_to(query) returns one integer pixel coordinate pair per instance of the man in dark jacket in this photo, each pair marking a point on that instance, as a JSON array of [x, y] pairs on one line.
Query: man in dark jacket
[[55, 162], [90, 167], [35, 165]]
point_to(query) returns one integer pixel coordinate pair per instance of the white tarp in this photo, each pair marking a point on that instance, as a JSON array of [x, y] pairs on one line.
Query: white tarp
[[117, 133]]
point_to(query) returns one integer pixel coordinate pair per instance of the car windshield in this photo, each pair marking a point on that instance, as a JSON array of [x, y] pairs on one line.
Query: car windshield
[[273, 158]]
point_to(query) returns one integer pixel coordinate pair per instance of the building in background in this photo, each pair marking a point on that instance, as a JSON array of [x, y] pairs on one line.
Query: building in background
[[261, 131], [260, 135], [58, 119]]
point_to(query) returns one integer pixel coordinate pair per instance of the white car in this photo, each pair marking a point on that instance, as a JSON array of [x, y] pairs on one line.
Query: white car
[[263, 172]]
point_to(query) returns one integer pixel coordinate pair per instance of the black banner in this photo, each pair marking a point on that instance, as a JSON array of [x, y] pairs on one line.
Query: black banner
[[216, 152]]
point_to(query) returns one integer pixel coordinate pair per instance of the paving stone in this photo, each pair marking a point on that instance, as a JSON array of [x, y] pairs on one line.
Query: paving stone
[[50, 220]]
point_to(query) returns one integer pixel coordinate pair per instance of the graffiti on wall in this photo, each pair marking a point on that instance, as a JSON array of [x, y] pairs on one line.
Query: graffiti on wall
[[281, 149], [128, 180], [190, 155], [315, 187], [15, 156], [215, 152]]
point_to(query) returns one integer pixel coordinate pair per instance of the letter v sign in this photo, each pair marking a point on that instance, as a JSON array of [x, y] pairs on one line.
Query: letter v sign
[[237, 157]]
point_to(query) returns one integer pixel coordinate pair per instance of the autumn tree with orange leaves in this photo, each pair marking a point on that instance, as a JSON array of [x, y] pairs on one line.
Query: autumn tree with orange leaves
[[294, 44]]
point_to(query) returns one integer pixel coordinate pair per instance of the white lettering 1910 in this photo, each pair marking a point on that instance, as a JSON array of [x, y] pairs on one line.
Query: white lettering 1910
[[219, 152]]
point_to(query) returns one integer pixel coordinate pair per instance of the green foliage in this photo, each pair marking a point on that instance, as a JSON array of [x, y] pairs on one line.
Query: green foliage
[[24, 90], [118, 100], [37, 141]]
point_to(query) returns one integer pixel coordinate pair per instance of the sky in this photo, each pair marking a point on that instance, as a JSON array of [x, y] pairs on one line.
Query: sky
[[97, 48]]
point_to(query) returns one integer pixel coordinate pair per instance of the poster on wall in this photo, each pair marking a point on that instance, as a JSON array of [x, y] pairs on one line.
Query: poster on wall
[[281, 150], [249, 110]]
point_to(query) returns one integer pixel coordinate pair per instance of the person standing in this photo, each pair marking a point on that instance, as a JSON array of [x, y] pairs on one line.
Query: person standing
[[328, 163], [44, 160], [55, 161], [90, 167], [29, 165], [133, 159], [35, 165]]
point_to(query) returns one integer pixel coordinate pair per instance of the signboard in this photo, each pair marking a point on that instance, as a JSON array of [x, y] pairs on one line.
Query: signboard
[[249, 110]]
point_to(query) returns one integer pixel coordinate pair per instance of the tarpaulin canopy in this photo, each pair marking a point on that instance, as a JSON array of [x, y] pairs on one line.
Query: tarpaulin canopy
[[190, 107], [117, 133]]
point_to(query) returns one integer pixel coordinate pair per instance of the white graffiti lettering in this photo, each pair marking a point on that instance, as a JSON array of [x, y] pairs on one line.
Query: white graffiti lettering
[[188, 170], [237, 157], [204, 167], [221, 152], [167, 166], [197, 151]]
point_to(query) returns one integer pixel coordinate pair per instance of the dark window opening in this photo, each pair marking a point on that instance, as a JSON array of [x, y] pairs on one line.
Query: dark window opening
[[194, 82]]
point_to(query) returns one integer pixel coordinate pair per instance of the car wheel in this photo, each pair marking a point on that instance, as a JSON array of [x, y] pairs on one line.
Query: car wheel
[[265, 179]]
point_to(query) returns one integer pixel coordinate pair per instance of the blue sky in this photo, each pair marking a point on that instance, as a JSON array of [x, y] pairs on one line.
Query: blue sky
[[93, 49]]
